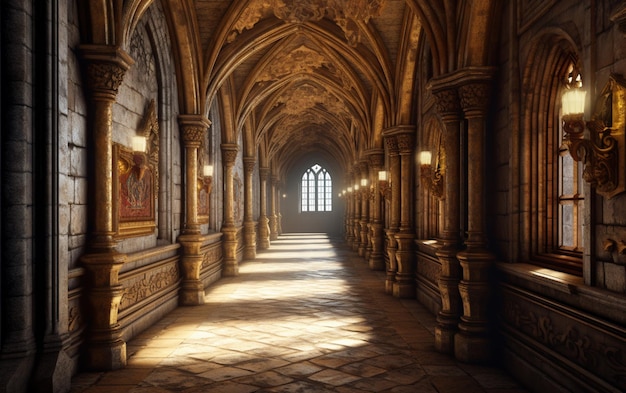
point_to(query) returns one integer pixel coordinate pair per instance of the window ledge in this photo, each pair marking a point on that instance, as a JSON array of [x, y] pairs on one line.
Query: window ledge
[[566, 288], [562, 282]]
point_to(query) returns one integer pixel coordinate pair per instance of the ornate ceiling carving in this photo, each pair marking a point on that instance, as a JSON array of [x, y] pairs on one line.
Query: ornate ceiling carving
[[305, 97], [304, 74], [300, 60], [347, 14]]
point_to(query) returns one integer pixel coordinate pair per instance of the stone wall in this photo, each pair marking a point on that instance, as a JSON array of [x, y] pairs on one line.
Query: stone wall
[[559, 331]]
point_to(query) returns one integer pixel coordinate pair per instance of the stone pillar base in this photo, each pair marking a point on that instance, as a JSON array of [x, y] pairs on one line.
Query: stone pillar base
[[107, 356], [264, 233], [230, 270], [231, 265], [472, 349], [389, 283], [54, 372], [444, 339], [376, 262], [191, 294], [404, 288]]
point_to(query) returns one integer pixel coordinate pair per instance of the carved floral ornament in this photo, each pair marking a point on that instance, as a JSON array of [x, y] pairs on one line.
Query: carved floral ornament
[[347, 14]]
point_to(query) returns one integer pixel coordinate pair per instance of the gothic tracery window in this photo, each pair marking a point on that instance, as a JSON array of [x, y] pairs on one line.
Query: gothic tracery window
[[316, 190]]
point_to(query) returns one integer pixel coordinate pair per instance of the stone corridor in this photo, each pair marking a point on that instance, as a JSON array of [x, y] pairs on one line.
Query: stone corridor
[[307, 315]]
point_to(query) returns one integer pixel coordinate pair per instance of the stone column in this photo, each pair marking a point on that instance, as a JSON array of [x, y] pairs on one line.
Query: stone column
[[394, 215], [279, 213], [376, 260], [106, 350], [448, 107], [404, 286], [472, 343], [356, 217], [249, 225], [264, 227], [193, 129], [350, 212], [273, 215], [231, 265], [365, 204]]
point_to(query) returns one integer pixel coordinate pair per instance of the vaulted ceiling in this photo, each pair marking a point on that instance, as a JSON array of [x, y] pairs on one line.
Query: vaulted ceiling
[[306, 76], [295, 77]]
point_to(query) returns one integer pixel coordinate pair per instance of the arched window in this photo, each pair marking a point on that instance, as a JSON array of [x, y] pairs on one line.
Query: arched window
[[571, 193], [552, 188], [316, 191]]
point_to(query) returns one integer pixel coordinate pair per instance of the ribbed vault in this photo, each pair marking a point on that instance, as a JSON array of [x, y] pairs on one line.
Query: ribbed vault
[[305, 74]]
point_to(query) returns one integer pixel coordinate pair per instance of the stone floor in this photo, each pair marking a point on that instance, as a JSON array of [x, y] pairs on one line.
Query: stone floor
[[306, 316]]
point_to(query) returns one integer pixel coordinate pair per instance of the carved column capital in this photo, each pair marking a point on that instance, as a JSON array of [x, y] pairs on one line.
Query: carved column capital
[[264, 173], [229, 153], [405, 143], [403, 136], [474, 98], [392, 144], [363, 166], [447, 103], [106, 66], [376, 158], [248, 164], [193, 129]]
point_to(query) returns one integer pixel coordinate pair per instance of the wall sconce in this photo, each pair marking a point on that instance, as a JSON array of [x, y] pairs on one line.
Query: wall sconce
[[603, 153], [343, 192], [139, 156], [384, 185], [432, 179], [349, 189], [207, 179]]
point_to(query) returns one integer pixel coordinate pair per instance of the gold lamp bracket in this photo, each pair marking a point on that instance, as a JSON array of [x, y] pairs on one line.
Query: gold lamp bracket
[[603, 152]]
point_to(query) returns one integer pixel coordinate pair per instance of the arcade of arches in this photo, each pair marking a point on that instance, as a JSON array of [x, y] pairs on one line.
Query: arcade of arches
[[149, 147]]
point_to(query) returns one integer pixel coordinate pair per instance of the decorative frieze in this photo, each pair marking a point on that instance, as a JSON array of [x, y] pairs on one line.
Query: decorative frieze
[[597, 347], [211, 254], [146, 283]]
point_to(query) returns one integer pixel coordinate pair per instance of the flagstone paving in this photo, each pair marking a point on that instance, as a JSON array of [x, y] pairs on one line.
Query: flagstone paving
[[307, 315]]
